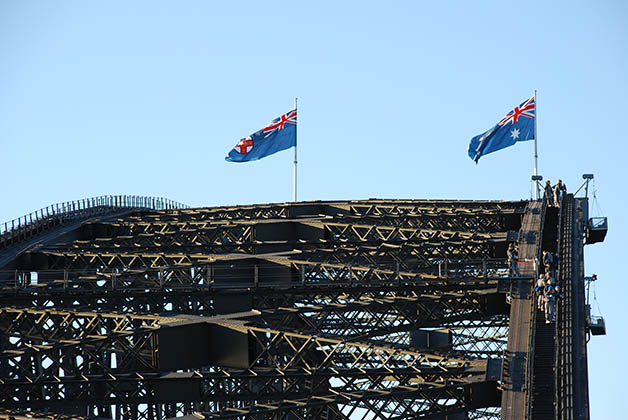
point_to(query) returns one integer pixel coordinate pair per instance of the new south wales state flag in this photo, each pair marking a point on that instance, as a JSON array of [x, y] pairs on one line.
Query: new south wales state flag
[[278, 135], [517, 125]]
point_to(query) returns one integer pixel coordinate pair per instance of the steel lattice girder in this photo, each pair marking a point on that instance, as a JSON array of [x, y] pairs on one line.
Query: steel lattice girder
[[476, 222], [8, 414], [471, 328], [405, 256], [368, 311], [339, 291], [111, 271], [379, 207], [216, 237], [225, 386], [360, 208], [239, 229], [201, 411], [358, 310], [232, 391], [320, 280], [37, 330], [288, 351], [401, 401], [209, 410]]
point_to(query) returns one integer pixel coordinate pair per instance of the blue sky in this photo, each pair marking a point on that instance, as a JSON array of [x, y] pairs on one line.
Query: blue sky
[[147, 98]]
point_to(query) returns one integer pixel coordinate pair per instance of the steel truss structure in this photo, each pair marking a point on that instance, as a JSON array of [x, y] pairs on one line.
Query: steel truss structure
[[377, 309]]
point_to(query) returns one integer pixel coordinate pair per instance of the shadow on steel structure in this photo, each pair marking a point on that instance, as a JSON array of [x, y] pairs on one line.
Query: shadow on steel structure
[[337, 310]]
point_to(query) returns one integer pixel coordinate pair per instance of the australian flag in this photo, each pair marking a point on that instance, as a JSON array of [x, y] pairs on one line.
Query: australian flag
[[278, 135], [517, 125]]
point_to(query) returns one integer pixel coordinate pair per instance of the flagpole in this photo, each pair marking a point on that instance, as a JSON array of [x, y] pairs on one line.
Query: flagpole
[[295, 151], [536, 155]]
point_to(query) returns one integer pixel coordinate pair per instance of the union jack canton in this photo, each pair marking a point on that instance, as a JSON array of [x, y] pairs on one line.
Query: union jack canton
[[517, 125]]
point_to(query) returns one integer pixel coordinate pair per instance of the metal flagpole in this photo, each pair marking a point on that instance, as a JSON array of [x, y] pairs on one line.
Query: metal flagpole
[[295, 150], [536, 155]]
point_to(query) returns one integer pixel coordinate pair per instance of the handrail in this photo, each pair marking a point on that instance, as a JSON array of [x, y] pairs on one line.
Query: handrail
[[529, 362], [34, 222], [564, 392]]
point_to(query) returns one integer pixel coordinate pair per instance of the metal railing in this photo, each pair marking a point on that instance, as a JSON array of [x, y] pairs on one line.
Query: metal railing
[[564, 379], [529, 358], [28, 225]]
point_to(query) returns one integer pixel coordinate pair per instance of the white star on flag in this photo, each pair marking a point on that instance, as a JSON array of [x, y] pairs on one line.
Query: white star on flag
[[515, 133]]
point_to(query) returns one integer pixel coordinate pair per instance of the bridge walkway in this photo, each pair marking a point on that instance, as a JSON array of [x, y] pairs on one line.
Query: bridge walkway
[[522, 318]]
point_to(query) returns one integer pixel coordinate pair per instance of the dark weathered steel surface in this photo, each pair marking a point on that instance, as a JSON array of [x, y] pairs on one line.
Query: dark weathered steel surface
[[572, 376], [350, 309], [521, 333]]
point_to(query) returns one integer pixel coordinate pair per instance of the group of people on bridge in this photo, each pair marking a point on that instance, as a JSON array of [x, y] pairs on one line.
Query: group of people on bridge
[[554, 194], [546, 288]]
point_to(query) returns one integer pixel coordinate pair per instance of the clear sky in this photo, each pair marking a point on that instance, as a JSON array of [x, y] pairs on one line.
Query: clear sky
[[147, 98]]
